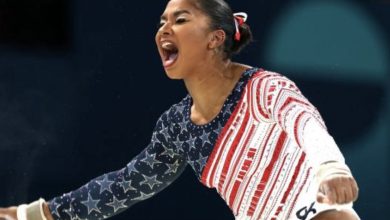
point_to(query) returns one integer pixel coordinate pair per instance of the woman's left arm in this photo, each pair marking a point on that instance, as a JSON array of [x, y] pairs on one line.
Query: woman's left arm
[[286, 105]]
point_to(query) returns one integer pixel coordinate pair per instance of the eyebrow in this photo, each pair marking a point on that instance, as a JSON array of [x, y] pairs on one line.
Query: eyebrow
[[176, 14]]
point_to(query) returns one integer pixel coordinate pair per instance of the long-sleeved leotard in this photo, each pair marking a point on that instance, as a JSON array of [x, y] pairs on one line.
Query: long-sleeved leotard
[[148, 173], [256, 152]]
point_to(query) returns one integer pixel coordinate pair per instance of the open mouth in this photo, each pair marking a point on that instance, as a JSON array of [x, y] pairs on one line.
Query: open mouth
[[170, 53]]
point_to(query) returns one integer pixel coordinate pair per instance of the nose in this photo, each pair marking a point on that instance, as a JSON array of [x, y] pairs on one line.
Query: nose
[[165, 29]]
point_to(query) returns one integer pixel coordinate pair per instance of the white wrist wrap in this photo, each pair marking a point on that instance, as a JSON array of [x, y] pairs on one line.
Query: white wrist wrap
[[32, 211], [21, 212], [331, 169]]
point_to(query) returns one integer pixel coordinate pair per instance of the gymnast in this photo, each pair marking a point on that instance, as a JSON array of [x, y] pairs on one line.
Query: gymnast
[[247, 132]]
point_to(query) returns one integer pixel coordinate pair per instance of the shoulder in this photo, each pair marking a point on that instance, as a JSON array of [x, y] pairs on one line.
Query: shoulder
[[267, 75], [265, 88], [268, 81], [176, 112]]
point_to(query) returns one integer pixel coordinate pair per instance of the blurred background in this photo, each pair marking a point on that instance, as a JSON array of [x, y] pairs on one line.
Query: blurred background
[[81, 86]]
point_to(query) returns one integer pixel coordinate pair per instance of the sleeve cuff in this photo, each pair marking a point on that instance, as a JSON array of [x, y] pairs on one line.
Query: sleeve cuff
[[32, 211], [333, 168]]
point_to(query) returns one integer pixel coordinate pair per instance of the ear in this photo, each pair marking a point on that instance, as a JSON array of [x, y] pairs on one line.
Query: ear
[[217, 39]]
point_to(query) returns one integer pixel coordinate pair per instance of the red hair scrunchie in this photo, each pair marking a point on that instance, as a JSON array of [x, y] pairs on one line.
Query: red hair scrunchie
[[239, 19]]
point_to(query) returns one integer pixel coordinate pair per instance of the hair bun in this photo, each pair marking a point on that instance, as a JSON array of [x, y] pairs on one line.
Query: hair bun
[[245, 38]]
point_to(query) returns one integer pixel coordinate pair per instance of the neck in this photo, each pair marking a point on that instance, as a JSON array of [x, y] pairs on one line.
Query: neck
[[209, 87]]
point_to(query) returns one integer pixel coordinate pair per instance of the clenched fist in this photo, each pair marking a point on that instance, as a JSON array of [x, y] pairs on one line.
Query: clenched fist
[[336, 184]]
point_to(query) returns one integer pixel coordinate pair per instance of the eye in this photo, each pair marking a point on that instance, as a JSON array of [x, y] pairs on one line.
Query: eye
[[180, 20]]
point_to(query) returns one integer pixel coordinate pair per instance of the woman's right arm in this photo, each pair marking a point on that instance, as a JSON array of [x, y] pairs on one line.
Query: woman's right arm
[[148, 173], [107, 195]]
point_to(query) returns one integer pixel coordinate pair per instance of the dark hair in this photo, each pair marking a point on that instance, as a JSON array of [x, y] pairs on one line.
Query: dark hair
[[221, 17]]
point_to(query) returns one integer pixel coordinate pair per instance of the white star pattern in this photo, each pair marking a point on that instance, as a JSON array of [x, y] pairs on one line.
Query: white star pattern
[[191, 143], [150, 159], [178, 143], [172, 168], [228, 108], [144, 176], [169, 152], [144, 196], [179, 109], [150, 181], [126, 186], [91, 204], [117, 204], [154, 138], [183, 125], [165, 131], [205, 138], [55, 207], [202, 161], [105, 184], [131, 167], [219, 129], [79, 218], [70, 213]]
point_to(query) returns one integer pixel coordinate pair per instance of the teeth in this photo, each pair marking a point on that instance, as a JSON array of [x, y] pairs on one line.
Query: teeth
[[167, 45]]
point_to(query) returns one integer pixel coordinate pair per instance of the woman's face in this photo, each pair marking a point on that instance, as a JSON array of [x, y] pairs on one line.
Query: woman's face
[[183, 38]]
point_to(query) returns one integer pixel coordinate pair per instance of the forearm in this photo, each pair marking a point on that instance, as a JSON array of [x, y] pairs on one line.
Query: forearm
[[318, 145], [149, 172], [114, 192]]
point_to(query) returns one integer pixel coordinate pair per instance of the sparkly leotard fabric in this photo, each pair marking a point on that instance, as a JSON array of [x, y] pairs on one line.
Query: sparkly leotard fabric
[[252, 153]]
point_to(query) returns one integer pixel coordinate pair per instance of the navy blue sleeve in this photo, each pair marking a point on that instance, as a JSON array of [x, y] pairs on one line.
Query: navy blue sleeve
[[152, 170]]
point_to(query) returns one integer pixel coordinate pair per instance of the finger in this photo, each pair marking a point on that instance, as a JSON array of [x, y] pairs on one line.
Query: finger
[[321, 198], [321, 194], [333, 195], [329, 194], [349, 195], [340, 191], [355, 190]]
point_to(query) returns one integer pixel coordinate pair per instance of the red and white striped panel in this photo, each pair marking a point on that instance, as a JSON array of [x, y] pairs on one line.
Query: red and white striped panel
[[256, 167]]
